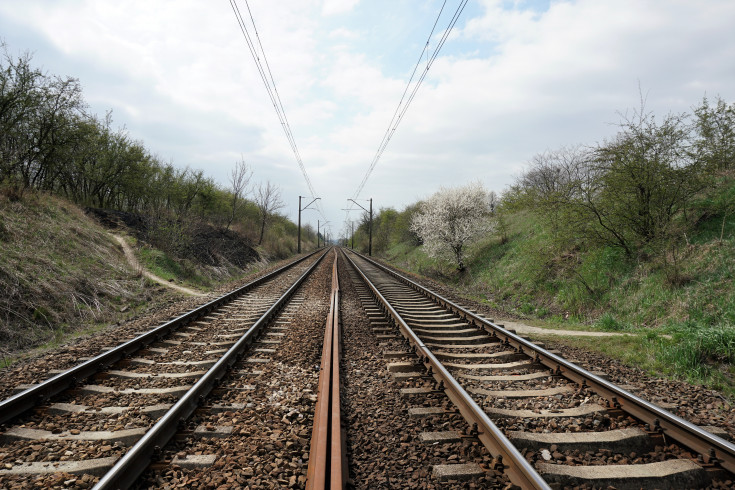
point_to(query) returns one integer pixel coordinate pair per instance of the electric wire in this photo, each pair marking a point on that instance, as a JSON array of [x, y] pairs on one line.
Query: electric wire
[[402, 108], [266, 75]]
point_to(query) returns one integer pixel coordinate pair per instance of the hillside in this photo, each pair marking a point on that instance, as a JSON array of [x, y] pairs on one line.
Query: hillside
[[63, 271], [683, 324], [632, 234]]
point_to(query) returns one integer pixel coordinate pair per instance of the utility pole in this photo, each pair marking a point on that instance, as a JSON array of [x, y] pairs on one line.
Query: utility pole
[[370, 239], [304, 209], [352, 223], [370, 224]]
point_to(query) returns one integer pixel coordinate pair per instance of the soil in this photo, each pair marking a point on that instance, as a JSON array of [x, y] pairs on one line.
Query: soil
[[206, 244]]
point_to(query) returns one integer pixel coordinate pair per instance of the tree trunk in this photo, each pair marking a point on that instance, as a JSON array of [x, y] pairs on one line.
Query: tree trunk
[[262, 231]]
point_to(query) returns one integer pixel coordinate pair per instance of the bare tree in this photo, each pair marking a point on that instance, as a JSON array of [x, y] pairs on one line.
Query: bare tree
[[451, 219], [268, 200], [239, 181]]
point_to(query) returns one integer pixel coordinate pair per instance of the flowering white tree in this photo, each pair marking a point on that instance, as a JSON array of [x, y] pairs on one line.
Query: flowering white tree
[[453, 218]]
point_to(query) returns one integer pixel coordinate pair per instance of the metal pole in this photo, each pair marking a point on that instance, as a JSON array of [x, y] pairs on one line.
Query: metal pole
[[317, 234], [299, 247], [370, 239], [353, 234]]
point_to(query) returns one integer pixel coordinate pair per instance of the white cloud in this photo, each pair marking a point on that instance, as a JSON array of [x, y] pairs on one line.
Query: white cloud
[[512, 82], [332, 7]]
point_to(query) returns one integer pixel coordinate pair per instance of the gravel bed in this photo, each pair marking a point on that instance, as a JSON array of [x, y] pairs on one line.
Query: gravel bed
[[383, 446], [269, 443], [37, 365], [35, 451], [694, 403], [128, 400], [52, 480], [129, 419]]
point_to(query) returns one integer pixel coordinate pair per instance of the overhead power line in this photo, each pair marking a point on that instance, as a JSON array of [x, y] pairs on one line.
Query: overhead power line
[[266, 76], [405, 102]]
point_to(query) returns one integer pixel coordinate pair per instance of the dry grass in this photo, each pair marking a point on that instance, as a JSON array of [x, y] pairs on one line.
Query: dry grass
[[59, 272]]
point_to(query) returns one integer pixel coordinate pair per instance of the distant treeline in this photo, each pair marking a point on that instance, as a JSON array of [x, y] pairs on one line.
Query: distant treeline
[[50, 142], [642, 191]]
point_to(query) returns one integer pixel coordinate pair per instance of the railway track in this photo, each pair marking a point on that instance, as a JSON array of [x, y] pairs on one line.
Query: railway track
[[349, 376], [545, 420], [111, 416]]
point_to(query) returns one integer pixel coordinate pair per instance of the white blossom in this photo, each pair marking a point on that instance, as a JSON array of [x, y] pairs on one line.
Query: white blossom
[[453, 218]]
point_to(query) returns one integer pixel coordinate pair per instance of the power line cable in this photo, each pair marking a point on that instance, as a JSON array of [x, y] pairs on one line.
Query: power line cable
[[266, 75], [401, 109]]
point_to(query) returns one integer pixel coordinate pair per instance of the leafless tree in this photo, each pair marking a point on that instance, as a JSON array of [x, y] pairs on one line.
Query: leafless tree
[[268, 200], [239, 180]]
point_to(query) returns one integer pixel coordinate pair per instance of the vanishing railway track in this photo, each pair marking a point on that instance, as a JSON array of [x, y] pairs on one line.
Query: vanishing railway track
[[112, 415], [252, 387], [545, 420]]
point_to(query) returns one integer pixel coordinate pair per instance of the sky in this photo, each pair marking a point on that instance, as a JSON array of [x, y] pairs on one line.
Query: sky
[[515, 78]]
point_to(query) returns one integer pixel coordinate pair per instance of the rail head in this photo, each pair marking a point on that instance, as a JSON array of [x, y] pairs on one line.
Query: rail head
[[327, 455], [658, 419], [20, 403], [508, 458], [127, 470]]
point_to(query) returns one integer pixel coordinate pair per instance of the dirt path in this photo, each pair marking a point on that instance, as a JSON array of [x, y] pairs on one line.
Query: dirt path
[[133, 261], [522, 328]]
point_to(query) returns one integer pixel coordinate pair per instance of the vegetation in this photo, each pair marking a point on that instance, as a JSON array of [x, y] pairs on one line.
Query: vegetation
[[59, 271], [50, 143], [634, 234], [451, 220]]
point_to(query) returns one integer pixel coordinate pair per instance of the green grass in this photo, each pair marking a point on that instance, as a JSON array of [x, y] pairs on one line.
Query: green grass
[[558, 284], [181, 271]]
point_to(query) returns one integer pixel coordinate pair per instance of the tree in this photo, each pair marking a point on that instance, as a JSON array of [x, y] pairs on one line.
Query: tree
[[268, 200], [239, 181], [451, 219], [714, 127]]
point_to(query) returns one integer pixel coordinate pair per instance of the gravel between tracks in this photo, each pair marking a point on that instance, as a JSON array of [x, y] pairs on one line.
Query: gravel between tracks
[[384, 450], [269, 443]]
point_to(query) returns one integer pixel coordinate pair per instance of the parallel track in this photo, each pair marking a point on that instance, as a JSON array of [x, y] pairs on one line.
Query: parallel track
[[226, 326], [472, 344]]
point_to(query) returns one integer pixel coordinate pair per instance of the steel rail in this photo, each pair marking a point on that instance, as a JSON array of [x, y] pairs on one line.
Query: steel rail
[[508, 459], [134, 462], [327, 467], [22, 402], [714, 450]]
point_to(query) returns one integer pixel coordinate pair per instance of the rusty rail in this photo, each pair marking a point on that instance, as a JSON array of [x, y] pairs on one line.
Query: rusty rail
[[327, 465], [508, 459], [715, 452]]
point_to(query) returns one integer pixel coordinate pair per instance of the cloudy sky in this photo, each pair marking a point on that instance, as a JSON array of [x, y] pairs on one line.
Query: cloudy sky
[[514, 79]]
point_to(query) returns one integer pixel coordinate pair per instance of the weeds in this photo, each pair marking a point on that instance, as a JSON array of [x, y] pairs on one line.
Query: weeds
[[608, 323], [697, 354]]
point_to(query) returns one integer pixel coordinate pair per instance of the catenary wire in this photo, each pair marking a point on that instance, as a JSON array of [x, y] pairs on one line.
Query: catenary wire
[[268, 80], [402, 108]]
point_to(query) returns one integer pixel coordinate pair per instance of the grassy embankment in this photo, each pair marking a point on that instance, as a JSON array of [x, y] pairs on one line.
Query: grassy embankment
[[63, 275], [60, 273], [681, 307]]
